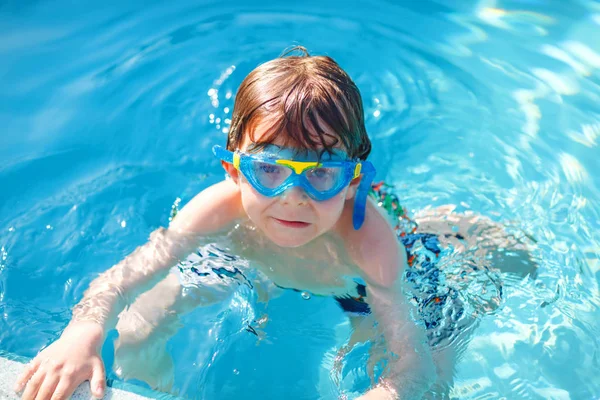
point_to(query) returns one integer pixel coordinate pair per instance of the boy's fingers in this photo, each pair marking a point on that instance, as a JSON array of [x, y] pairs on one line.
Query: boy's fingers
[[33, 386], [47, 388], [26, 374], [98, 380], [64, 389]]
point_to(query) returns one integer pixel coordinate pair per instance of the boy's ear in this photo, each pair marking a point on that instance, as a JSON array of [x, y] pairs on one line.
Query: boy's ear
[[353, 188], [231, 171]]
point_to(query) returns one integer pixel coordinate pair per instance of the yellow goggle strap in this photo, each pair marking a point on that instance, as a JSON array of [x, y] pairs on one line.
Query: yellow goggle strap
[[357, 170]]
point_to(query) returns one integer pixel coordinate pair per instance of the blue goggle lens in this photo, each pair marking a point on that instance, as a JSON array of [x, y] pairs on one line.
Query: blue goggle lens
[[269, 175], [324, 179], [272, 175]]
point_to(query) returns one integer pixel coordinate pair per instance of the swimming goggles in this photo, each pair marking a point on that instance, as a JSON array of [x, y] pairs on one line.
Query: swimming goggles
[[321, 180]]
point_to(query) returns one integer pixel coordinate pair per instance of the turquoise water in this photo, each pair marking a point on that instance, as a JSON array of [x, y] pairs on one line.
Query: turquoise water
[[108, 112]]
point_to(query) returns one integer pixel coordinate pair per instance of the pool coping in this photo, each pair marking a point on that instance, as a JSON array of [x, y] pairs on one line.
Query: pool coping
[[11, 370]]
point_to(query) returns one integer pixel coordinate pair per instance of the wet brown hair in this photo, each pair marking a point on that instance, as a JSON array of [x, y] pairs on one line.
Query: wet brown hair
[[304, 99]]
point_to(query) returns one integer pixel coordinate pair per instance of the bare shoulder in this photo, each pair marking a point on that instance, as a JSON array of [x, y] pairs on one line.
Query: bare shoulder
[[374, 247], [212, 210]]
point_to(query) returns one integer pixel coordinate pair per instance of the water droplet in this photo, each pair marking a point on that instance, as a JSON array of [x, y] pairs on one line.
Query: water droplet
[[560, 247], [305, 295]]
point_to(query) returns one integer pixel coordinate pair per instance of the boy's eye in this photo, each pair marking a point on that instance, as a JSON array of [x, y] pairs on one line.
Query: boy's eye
[[321, 173], [268, 168]]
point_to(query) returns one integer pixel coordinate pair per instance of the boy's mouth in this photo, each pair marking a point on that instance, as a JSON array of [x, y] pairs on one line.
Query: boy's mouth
[[291, 224]]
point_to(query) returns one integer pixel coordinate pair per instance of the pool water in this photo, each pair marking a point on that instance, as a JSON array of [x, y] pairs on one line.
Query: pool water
[[109, 110]]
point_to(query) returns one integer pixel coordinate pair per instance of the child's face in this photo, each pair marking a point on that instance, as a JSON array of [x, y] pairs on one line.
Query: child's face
[[291, 219]]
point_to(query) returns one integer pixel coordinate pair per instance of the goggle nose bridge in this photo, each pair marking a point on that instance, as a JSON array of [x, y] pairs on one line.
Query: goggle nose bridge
[[299, 166]]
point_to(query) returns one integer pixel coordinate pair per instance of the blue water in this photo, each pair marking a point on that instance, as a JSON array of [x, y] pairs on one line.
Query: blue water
[[108, 112]]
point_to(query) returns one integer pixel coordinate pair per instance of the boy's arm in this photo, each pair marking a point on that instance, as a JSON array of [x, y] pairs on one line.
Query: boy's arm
[[210, 212], [382, 261], [58, 369]]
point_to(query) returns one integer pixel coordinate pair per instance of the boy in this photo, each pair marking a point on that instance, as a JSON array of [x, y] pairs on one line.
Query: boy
[[296, 206]]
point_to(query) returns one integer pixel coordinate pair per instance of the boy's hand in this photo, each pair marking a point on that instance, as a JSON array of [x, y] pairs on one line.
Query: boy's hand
[[56, 372]]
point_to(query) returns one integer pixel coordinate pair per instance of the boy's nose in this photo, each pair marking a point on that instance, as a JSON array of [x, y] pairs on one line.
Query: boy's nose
[[295, 196]]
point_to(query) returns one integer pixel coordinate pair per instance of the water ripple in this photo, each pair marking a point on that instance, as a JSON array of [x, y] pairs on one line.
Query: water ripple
[[489, 106]]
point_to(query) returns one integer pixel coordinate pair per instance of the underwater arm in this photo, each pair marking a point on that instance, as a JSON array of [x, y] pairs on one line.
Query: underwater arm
[[75, 357], [113, 289], [208, 213], [411, 370]]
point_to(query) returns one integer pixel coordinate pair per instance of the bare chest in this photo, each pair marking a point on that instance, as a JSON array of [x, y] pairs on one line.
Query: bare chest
[[321, 267]]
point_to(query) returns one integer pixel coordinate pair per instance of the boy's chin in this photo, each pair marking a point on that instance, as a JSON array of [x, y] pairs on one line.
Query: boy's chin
[[288, 240], [289, 243]]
